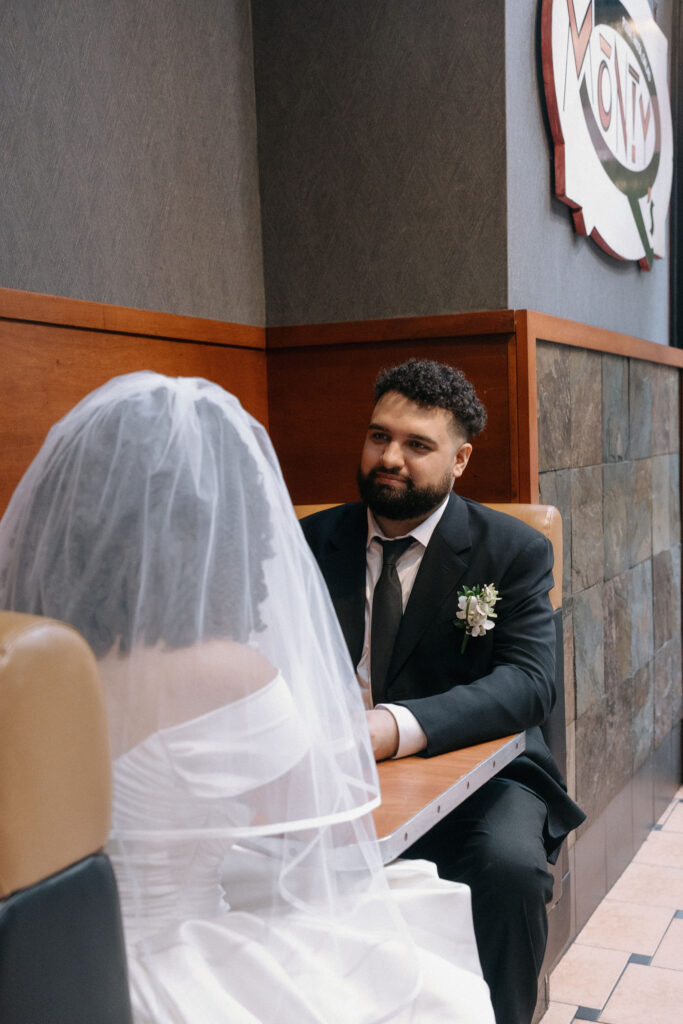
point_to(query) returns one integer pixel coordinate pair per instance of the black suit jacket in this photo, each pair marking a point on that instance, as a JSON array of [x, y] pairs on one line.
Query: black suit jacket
[[503, 681]]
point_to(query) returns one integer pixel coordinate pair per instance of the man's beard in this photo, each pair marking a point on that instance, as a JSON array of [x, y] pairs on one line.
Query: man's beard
[[407, 501]]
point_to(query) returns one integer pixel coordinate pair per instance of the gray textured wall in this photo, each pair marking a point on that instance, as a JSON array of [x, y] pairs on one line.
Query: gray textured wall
[[396, 177], [382, 159], [128, 158], [550, 268]]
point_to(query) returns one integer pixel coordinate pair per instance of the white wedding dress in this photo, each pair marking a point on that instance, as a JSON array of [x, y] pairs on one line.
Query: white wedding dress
[[207, 943], [155, 520]]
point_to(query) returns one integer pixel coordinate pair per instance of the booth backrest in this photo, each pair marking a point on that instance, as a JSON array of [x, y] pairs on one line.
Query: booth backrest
[[545, 518], [62, 954], [55, 768]]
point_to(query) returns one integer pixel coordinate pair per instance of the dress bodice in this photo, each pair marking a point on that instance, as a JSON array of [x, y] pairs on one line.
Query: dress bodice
[[188, 804], [183, 793]]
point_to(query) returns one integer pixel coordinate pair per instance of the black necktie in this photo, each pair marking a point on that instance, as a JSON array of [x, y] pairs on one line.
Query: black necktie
[[387, 609]]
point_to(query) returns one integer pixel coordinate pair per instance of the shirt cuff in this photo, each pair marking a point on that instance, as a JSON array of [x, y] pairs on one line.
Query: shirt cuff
[[411, 738]]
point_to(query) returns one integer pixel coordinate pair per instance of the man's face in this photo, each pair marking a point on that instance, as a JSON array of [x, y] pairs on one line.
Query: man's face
[[410, 458]]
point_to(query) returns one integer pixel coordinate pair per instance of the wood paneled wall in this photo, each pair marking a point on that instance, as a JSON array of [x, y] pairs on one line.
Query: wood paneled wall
[[320, 398], [54, 351], [310, 385]]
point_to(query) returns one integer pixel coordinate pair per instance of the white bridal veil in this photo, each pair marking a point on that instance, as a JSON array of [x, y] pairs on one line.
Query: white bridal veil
[[155, 520]]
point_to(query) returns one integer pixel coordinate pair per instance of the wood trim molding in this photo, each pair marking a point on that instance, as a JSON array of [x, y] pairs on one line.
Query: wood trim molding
[[532, 325], [527, 414], [497, 321], [513, 429], [543, 327], [33, 307]]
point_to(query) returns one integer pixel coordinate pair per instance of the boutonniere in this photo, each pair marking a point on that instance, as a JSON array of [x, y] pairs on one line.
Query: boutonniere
[[475, 613]]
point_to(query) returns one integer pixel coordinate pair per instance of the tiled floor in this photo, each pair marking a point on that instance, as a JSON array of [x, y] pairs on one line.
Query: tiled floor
[[626, 965]]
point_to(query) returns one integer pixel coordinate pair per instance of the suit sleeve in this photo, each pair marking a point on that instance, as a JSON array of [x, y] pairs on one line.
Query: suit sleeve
[[516, 688]]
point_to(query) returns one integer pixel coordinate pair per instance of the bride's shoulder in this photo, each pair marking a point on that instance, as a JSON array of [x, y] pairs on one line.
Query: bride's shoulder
[[156, 687], [254, 669]]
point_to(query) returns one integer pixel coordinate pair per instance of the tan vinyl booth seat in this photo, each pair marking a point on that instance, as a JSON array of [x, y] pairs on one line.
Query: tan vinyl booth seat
[[544, 518], [548, 521], [61, 944]]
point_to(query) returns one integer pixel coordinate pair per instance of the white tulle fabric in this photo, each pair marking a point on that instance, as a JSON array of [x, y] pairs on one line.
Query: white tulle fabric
[[156, 521]]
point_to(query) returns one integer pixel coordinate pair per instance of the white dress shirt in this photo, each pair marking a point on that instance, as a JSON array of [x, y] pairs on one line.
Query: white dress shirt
[[411, 737]]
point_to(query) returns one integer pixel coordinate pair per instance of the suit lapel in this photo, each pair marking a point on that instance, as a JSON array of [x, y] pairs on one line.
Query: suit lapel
[[343, 567], [443, 565]]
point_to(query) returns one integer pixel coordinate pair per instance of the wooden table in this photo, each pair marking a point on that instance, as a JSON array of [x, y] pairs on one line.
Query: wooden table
[[418, 791]]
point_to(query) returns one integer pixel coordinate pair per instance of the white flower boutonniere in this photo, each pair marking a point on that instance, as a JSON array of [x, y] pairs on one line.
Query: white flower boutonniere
[[475, 613]]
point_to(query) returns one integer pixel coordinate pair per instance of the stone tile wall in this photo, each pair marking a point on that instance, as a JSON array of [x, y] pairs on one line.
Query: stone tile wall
[[609, 455]]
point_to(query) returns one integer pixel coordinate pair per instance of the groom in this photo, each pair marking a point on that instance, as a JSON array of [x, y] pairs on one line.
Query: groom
[[444, 606]]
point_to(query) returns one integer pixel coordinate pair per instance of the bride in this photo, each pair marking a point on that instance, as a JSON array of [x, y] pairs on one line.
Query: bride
[[156, 521]]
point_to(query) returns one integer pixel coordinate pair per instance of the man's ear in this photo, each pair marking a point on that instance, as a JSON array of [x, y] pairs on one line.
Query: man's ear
[[462, 457]]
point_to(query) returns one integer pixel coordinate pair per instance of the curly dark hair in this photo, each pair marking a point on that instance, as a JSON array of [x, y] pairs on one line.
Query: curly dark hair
[[435, 385]]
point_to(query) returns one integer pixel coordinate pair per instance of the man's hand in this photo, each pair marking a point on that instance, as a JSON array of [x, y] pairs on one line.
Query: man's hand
[[383, 733]]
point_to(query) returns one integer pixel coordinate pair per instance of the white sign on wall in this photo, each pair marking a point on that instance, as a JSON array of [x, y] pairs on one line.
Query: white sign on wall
[[605, 70]]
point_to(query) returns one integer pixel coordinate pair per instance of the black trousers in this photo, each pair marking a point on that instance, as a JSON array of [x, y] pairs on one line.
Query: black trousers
[[494, 843]]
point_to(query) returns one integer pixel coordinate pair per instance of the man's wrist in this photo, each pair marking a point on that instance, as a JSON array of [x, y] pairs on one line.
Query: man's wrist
[[411, 738], [384, 734]]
